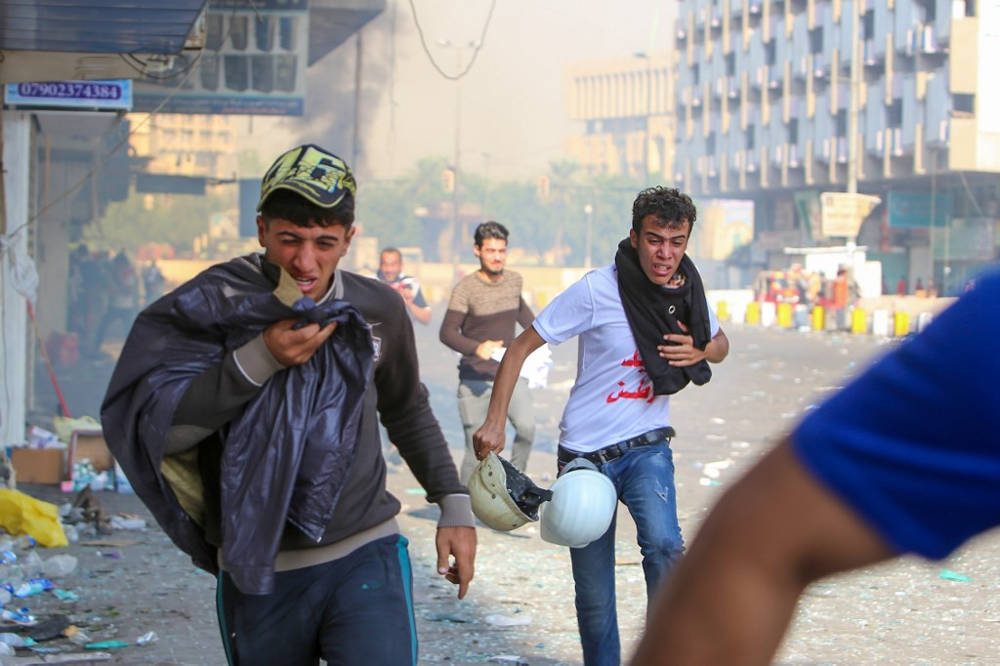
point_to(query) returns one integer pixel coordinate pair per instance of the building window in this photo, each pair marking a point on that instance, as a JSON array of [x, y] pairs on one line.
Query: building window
[[869, 24], [793, 130], [816, 40], [964, 104], [770, 52], [751, 137], [730, 64], [894, 114], [841, 122], [710, 144], [696, 73]]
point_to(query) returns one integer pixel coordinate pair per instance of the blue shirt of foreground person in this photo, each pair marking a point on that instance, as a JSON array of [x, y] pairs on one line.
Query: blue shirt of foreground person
[[905, 459]]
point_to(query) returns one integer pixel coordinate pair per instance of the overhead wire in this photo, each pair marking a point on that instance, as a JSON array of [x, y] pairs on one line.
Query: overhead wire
[[476, 49]]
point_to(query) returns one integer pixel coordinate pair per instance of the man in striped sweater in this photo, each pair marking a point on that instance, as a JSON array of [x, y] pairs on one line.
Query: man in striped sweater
[[479, 324]]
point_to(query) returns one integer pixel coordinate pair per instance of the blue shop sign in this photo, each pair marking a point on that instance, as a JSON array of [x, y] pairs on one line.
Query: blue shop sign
[[91, 95]]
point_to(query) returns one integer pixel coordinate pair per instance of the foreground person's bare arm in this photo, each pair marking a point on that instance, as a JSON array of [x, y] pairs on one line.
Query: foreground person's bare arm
[[730, 599]]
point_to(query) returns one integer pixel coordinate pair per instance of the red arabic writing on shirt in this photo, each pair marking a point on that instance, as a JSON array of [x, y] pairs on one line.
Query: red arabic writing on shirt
[[644, 391]]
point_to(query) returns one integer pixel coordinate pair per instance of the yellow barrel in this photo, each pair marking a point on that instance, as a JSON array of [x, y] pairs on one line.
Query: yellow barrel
[[785, 315], [901, 324], [722, 311], [859, 321], [818, 318], [753, 313]]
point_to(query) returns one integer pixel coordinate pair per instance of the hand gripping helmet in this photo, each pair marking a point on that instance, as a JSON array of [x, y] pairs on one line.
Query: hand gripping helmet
[[502, 497], [582, 506]]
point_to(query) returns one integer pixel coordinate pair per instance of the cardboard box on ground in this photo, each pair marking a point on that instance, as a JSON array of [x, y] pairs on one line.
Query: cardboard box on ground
[[53, 465]]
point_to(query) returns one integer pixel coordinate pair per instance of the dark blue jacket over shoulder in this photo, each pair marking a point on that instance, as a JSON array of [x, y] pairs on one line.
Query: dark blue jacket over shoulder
[[284, 459]]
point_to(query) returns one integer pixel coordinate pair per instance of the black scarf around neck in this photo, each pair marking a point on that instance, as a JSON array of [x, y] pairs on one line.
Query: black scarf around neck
[[653, 311]]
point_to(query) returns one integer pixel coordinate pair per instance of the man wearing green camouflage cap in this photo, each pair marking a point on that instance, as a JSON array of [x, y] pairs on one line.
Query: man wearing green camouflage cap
[[245, 410]]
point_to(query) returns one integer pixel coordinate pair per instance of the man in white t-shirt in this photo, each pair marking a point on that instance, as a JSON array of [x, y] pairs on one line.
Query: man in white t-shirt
[[645, 331]]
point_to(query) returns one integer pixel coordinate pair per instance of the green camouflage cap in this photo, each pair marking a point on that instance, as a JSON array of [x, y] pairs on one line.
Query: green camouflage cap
[[315, 174]]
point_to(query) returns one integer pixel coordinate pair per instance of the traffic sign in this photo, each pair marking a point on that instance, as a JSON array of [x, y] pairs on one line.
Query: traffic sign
[[842, 212]]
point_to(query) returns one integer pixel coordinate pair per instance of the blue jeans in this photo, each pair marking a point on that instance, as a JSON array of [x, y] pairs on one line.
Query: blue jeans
[[644, 478]]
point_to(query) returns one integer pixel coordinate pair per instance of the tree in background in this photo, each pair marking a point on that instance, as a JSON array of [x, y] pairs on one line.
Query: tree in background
[[176, 219]]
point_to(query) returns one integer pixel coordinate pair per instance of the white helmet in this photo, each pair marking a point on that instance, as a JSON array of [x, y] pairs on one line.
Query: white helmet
[[502, 497], [582, 506]]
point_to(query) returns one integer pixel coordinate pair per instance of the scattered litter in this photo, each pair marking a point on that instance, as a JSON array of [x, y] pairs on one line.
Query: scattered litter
[[88, 507], [713, 469], [16, 641], [113, 554], [53, 626], [105, 645], [59, 565], [948, 574], [22, 617], [23, 514], [110, 543], [498, 620], [65, 595], [717, 420], [147, 638], [445, 617], [416, 491], [77, 635], [705, 481], [30, 588], [127, 522], [508, 659]]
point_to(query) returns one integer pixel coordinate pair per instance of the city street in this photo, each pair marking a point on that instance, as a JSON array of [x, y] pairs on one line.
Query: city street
[[520, 606]]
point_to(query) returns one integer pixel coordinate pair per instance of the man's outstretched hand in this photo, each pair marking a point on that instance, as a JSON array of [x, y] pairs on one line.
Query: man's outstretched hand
[[458, 543]]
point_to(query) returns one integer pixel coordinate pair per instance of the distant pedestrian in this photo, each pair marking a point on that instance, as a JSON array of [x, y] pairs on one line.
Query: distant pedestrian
[[152, 281], [901, 286], [390, 271], [645, 331], [123, 297], [482, 312]]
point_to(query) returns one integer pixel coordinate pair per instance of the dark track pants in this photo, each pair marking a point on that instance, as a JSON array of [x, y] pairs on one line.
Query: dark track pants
[[354, 610]]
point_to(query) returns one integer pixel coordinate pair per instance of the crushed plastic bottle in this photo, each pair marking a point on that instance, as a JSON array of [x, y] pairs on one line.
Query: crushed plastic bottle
[[6, 650], [59, 565], [22, 616], [147, 638], [72, 534], [28, 589], [77, 635], [31, 562]]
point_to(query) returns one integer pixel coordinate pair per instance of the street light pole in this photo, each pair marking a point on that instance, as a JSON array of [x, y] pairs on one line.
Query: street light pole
[[647, 112], [456, 235], [589, 210]]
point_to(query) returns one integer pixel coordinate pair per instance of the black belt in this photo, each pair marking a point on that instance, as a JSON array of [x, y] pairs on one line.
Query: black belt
[[618, 449]]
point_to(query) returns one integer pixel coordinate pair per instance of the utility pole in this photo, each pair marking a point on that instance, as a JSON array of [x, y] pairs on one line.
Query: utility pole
[[356, 139], [589, 210], [456, 234], [648, 112]]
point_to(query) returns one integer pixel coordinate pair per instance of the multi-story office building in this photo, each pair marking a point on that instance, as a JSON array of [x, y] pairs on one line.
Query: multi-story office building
[[187, 145], [764, 112], [626, 107]]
